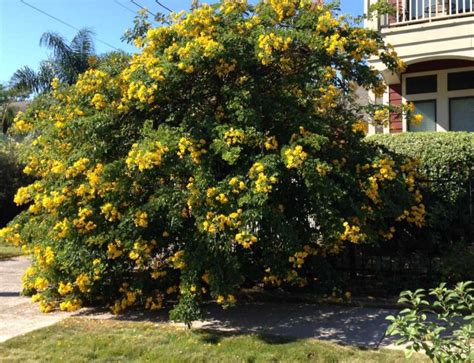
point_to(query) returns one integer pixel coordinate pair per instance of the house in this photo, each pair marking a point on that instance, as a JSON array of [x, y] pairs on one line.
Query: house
[[435, 39]]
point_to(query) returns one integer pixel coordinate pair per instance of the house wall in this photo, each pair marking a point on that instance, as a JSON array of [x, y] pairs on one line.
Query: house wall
[[435, 39], [442, 96]]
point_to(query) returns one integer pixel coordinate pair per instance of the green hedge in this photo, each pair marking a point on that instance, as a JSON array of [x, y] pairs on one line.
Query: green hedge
[[11, 178], [447, 164]]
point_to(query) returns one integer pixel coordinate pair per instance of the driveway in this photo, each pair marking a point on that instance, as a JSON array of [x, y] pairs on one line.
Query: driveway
[[18, 315]]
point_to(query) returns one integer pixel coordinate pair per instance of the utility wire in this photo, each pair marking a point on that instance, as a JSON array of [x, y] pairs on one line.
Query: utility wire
[[164, 6], [67, 24], [143, 8], [125, 7]]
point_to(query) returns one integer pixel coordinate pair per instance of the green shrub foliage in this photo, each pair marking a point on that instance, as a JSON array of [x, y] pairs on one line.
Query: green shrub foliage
[[446, 164], [227, 152], [11, 178]]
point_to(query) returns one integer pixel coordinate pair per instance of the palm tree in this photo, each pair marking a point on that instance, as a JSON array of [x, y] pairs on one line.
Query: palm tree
[[66, 62]]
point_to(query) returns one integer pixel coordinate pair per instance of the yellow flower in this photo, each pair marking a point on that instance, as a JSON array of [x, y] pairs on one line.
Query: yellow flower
[[141, 219]]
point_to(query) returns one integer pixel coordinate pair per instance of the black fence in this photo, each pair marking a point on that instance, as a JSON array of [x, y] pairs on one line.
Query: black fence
[[407, 264]]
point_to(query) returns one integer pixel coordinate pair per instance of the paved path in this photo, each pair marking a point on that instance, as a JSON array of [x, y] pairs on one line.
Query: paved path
[[364, 327], [18, 315]]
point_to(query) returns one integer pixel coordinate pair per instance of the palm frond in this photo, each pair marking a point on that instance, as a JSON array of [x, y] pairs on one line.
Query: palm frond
[[25, 79], [83, 42], [57, 44]]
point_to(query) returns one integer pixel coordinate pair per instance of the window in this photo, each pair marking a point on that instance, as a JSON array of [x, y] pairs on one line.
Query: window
[[428, 110], [460, 80], [424, 84], [461, 112]]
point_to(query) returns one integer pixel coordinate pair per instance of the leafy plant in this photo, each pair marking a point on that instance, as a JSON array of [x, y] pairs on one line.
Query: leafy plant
[[439, 322], [229, 151]]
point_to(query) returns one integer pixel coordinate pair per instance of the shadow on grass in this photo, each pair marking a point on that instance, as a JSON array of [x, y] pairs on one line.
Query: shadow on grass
[[214, 337], [277, 323]]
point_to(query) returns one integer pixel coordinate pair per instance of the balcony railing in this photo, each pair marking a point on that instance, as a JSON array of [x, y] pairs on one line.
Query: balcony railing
[[412, 11]]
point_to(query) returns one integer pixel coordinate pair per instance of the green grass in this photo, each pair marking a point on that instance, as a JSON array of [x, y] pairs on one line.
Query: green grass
[[85, 340], [8, 251]]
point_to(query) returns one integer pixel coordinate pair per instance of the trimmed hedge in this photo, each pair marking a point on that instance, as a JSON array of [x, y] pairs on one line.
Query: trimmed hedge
[[11, 178], [447, 164]]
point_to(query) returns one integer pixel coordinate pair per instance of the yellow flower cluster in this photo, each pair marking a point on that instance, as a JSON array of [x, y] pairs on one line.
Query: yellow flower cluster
[[299, 258], [327, 100], [177, 260], [227, 301], [91, 81], [195, 151], [224, 68], [234, 136], [380, 116], [385, 171], [146, 159], [77, 168], [284, 8], [45, 257], [10, 235], [245, 239], [360, 126], [269, 43], [271, 143], [352, 233], [141, 219], [70, 305], [335, 43], [99, 101], [388, 235], [326, 22], [129, 299], [81, 224], [20, 125], [263, 183], [65, 288], [416, 214], [416, 119], [154, 302], [114, 250], [141, 251], [295, 157], [61, 228], [109, 212], [218, 223], [233, 6], [83, 283], [237, 184]]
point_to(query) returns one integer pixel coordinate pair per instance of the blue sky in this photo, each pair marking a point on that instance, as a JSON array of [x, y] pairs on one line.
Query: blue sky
[[21, 26]]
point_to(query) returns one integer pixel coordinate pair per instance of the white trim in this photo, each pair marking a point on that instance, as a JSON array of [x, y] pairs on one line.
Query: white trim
[[442, 95]]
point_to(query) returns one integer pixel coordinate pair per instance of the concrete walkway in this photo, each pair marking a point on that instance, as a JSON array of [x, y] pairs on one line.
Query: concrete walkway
[[363, 327], [18, 315]]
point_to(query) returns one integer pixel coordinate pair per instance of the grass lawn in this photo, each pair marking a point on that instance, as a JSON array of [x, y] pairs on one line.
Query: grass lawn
[[7, 251], [84, 340]]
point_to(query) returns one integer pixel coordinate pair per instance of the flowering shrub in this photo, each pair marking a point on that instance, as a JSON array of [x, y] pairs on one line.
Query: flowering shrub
[[223, 153]]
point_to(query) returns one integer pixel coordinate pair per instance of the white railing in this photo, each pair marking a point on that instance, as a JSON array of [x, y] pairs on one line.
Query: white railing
[[409, 11]]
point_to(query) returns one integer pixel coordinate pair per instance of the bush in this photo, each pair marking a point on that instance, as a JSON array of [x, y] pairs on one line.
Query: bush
[[443, 328], [446, 162], [11, 178], [227, 152]]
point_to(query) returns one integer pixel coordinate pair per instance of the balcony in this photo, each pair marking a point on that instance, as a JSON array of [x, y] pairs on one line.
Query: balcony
[[419, 11]]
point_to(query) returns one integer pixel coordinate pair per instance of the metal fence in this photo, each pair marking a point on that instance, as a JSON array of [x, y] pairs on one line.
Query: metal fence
[[396, 265]]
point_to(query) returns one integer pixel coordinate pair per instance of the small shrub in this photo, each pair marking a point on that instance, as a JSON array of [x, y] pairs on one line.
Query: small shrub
[[442, 327], [11, 178]]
